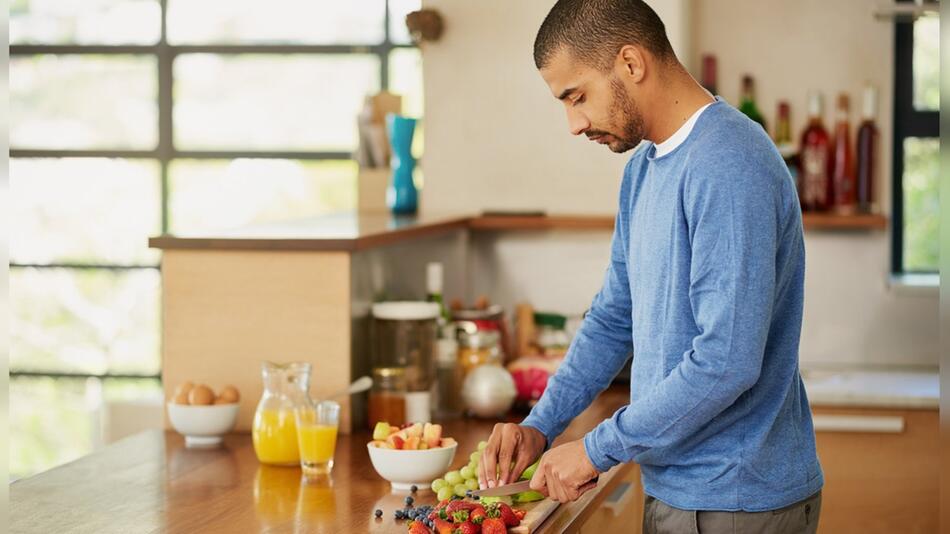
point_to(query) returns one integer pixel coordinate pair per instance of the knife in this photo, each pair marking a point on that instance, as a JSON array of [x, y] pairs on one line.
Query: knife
[[507, 489]]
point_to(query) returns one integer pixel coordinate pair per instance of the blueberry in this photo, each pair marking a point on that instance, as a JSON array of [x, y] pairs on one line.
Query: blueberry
[[398, 514], [476, 497], [409, 501], [414, 488], [378, 513]]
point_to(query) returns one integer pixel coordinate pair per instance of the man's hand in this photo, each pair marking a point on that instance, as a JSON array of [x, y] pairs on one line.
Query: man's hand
[[509, 443], [565, 472]]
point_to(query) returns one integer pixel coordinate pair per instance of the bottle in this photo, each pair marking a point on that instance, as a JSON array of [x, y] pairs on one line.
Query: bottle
[[448, 380], [867, 152], [747, 104], [387, 398], [842, 162], [815, 157], [783, 141], [709, 73], [434, 283]]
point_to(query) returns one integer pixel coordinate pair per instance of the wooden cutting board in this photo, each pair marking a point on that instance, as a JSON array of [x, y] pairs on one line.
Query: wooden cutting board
[[535, 514]]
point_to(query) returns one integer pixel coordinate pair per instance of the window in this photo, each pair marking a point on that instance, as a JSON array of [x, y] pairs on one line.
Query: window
[[915, 246], [130, 118]]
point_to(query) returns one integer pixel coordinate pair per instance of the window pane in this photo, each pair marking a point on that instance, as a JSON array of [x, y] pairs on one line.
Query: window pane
[[56, 420], [927, 63], [246, 191], [85, 210], [85, 22], [398, 9], [110, 102], [276, 21], [405, 78], [921, 204], [84, 321], [271, 102]]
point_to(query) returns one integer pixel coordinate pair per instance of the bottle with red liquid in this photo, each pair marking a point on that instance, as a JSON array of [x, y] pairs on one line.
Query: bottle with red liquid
[[815, 155], [843, 182], [867, 152], [709, 73]]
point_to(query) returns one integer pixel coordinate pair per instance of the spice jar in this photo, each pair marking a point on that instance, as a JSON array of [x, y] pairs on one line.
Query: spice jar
[[479, 347], [387, 399]]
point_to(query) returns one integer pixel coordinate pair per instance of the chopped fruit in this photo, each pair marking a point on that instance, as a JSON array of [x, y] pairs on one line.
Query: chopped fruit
[[396, 441], [414, 431], [520, 514], [423, 446], [378, 444], [529, 472], [381, 432], [527, 496], [448, 442], [432, 434], [412, 443]]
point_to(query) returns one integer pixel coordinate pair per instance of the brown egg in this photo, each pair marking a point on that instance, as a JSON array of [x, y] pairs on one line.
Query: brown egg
[[184, 388], [229, 395], [201, 395], [181, 398]]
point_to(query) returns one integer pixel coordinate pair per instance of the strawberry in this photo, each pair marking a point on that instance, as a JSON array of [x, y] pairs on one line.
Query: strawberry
[[455, 506], [494, 525], [460, 516], [508, 515], [466, 527], [520, 514], [417, 527], [477, 515], [442, 526]]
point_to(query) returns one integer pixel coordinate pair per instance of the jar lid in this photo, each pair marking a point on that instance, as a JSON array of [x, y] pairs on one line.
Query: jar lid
[[406, 310]]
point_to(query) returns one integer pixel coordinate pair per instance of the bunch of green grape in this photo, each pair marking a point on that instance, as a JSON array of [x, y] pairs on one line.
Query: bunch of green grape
[[461, 481]]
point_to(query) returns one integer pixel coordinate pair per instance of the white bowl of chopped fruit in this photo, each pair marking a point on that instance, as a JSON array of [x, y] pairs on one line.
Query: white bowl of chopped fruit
[[412, 455]]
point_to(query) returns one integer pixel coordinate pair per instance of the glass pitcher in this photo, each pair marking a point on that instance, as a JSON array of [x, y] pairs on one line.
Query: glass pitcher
[[275, 430]]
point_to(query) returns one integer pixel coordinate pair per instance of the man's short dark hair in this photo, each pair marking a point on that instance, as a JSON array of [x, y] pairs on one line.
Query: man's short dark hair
[[595, 30]]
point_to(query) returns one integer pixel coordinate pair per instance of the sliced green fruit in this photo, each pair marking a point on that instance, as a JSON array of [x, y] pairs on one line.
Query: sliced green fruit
[[529, 472], [527, 496], [381, 432]]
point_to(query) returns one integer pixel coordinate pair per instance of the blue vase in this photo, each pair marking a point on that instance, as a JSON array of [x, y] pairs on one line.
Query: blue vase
[[401, 194]]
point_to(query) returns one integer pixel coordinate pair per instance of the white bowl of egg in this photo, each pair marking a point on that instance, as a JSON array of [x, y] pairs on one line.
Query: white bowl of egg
[[201, 416]]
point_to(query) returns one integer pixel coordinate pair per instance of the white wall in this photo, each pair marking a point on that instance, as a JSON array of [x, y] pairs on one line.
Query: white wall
[[495, 138]]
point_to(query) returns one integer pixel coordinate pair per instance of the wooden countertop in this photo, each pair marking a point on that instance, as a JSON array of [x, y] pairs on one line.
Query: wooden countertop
[[152, 483]]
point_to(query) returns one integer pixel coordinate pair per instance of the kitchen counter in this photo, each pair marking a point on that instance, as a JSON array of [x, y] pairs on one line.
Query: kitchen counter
[[152, 483], [868, 388]]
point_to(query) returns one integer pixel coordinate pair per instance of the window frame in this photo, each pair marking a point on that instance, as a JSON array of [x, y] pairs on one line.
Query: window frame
[[908, 122], [165, 151]]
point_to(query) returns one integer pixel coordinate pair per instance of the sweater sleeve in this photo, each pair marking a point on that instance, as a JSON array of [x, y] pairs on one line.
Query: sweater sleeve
[[732, 221], [599, 350]]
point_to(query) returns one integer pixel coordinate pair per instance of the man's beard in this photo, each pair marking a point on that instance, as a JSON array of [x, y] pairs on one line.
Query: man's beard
[[631, 122]]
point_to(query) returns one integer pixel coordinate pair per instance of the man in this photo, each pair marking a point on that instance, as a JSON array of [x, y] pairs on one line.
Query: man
[[704, 286]]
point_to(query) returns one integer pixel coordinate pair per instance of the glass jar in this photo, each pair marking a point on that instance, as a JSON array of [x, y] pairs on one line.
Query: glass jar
[[552, 336], [274, 430], [478, 347], [404, 336], [448, 380], [387, 398]]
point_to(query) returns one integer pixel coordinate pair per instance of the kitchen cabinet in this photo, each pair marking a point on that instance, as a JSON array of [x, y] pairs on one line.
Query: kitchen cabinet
[[621, 510], [880, 469]]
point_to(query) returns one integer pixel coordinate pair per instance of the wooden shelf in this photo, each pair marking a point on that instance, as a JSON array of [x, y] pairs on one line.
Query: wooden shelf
[[830, 221], [546, 222]]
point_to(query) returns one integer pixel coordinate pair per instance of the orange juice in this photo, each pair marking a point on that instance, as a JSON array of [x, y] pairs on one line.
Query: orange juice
[[275, 437], [317, 443]]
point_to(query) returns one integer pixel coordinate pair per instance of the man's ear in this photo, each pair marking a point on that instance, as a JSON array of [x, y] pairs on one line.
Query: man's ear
[[631, 63]]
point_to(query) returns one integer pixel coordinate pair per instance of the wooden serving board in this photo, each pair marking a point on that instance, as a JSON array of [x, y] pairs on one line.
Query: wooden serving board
[[535, 514]]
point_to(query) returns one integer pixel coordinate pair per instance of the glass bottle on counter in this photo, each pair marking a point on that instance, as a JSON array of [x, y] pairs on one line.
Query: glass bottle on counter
[[434, 290], [387, 398], [747, 104], [867, 152], [274, 431], [448, 380], [815, 159], [783, 141], [842, 162]]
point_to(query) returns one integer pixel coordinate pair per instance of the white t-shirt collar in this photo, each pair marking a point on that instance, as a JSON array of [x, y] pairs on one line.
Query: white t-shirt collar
[[675, 140]]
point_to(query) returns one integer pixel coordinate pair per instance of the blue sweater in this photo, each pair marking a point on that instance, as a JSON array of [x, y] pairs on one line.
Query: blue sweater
[[705, 287]]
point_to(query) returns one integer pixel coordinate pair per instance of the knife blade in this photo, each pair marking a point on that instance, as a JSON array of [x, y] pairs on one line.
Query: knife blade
[[507, 489]]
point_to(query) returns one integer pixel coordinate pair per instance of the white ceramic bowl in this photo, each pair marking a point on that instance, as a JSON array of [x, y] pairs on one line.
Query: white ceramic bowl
[[203, 426], [403, 468]]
